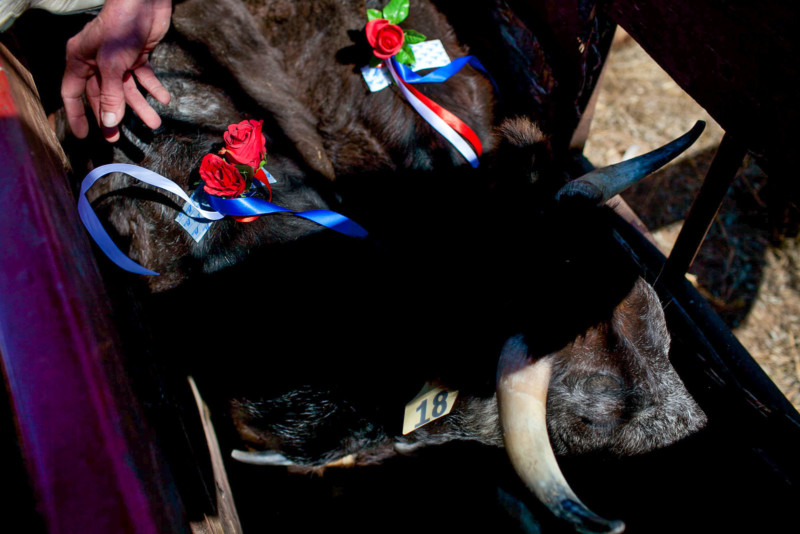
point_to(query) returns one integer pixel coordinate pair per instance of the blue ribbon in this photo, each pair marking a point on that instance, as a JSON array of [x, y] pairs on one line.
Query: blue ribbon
[[442, 74], [238, 207], [249, 206]]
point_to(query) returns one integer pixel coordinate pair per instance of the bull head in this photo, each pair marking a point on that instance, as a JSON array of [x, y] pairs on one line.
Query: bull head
[[609, 388]]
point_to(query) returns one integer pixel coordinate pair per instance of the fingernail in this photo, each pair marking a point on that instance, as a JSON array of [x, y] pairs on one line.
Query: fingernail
[[109, 119]]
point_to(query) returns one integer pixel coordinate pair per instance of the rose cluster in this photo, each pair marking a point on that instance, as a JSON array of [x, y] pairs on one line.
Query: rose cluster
[[228, 173], [386, 38]]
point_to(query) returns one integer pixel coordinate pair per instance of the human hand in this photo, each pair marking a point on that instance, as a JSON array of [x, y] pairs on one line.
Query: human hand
[[103, 59]]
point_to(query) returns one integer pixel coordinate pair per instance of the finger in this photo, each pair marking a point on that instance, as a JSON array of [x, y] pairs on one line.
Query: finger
[[138, 103], [111, 134], [151, 84], [73, 85], [93, 96], [79, 69], [112, 93], [76, 117]]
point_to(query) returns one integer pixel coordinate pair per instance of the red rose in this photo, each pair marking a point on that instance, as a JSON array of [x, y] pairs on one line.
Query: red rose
[[245, 144], [386, 39], [222, 179]]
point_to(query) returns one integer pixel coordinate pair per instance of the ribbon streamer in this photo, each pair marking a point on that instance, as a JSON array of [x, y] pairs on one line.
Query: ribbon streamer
[[452, 121], [242, 207], [442, 74], [421, 105]]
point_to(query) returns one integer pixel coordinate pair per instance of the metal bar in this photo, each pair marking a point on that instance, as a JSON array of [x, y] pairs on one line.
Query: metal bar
[[706, 206]]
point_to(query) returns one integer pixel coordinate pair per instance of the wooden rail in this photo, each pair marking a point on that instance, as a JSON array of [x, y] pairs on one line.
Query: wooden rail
[[91, 458]]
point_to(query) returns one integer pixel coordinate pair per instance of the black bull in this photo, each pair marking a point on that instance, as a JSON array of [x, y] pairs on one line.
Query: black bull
[[495, 282]]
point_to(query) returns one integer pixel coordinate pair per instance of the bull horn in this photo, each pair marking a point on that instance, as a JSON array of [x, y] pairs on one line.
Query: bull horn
[[602, 184], [522, 400]]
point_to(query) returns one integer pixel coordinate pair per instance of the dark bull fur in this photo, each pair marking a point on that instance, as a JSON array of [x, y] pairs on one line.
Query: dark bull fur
[[311, 342]]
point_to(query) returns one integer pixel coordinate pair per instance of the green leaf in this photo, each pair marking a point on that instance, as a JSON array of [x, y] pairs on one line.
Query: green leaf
[[396, 11], [375, 61], [413, 37], [247, 173], [244, 170], [405, 55], [373, 14]]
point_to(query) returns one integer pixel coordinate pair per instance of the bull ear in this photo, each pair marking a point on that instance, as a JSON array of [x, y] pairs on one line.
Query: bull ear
[[600, 185], [522, 386], [523, 154]]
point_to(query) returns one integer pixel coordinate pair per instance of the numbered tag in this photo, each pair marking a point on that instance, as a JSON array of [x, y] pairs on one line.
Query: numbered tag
[[429, 55], [193, 222], [430, 404]]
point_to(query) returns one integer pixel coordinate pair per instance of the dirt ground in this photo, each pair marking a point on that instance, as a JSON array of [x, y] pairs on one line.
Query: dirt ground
[[748, 267]]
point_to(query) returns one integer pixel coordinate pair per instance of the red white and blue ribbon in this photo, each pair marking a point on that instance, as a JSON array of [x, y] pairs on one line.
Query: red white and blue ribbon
[[235, 207], [461, 136]]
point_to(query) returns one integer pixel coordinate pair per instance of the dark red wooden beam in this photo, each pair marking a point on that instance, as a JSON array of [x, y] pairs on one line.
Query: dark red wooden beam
[[90, 456], [739, 60]]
